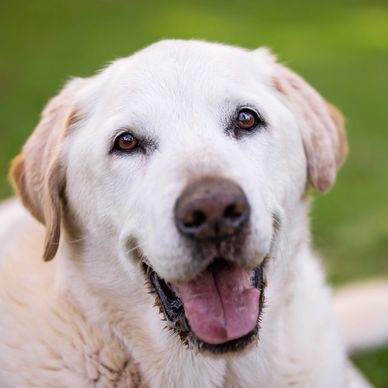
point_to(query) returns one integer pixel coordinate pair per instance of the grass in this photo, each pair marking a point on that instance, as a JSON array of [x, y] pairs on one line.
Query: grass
[[341, 47]]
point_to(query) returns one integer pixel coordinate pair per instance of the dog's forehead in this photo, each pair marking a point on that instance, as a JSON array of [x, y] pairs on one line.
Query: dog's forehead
[[182, 70]]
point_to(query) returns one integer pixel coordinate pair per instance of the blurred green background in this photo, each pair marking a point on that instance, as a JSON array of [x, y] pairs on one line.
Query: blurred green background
[[341, 47]]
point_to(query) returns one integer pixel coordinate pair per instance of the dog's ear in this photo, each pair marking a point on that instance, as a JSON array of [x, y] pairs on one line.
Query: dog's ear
[[321, 124], [38, 173]]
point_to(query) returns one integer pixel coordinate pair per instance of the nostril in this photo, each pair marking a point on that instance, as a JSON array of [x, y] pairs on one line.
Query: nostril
[[194, 219], [234, 212]]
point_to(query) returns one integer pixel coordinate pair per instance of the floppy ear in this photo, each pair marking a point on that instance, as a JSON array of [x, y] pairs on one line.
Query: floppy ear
[[38, 173], [321, 125]]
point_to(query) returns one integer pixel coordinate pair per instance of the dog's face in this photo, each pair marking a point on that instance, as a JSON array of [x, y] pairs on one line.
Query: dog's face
[[176, 170]]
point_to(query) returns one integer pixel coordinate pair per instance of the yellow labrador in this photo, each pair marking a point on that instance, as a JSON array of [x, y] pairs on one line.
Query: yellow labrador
[[169, 239]]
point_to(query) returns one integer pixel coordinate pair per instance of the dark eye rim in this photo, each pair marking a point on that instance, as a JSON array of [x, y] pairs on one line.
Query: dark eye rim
[[249, 112], [260, 122], [119, 136], [144, 146]]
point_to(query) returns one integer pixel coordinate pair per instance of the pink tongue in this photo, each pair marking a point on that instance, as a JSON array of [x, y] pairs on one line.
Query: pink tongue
[[220, 306]]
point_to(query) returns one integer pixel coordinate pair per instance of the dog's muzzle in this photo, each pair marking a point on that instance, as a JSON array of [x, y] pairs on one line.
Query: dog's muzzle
[[217, 309], [220, 304]]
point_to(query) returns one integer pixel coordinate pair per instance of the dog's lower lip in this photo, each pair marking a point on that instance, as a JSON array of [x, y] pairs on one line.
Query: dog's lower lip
[[172, 306]]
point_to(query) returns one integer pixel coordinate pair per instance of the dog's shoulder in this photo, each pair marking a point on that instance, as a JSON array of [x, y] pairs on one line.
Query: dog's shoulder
[[65, 349], [20, 234]]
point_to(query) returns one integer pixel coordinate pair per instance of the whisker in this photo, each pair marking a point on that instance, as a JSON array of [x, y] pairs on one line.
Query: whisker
[[135, 248], [76, 241]]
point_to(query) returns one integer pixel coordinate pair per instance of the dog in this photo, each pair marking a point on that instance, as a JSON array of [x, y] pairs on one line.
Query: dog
[[166, 239]]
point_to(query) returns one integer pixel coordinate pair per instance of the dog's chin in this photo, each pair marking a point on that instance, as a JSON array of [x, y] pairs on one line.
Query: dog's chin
[[221, 320]]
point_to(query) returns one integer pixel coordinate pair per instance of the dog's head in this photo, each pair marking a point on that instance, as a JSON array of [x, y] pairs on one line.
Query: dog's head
[[182, 165]]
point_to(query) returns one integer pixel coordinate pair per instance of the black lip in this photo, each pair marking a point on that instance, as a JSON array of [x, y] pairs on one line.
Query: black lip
[[171, 303], [172, 308]]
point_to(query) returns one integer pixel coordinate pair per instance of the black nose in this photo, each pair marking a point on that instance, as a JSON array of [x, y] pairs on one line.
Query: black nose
[[211, 209]]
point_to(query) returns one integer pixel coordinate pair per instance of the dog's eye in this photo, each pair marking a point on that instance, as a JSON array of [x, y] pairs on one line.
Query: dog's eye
[[247, 119], [125, 142]]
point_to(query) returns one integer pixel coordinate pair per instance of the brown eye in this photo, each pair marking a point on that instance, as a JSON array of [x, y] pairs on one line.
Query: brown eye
[[247, 119], [125, 142]]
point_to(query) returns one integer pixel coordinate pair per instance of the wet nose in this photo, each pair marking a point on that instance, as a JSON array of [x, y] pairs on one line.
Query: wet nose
[[211, 209]]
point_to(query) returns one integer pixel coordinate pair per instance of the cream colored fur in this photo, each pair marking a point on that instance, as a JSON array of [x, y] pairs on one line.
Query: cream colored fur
[[86, 318]]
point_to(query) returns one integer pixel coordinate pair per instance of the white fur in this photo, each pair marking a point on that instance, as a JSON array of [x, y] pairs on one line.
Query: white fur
[[74, 322]]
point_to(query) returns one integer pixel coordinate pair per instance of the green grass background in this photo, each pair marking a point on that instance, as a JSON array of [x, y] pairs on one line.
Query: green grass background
[[341, 47]]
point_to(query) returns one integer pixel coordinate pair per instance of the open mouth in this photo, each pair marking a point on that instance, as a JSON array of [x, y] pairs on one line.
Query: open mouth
[[218, 311]]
